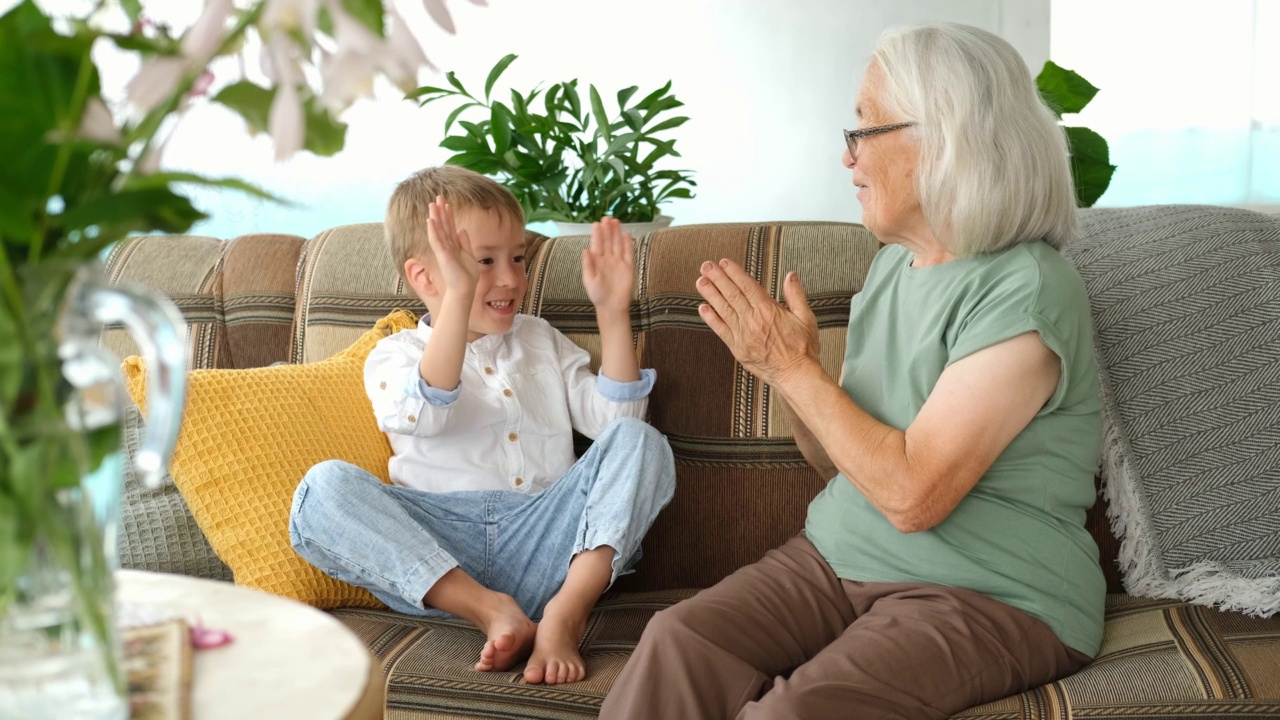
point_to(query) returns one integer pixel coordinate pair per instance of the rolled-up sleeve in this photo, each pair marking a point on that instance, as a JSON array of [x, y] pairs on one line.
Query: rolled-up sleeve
[[403, 402], [626, 391]]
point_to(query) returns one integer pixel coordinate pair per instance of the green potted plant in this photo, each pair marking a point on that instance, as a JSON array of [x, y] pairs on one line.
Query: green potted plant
[[566, 159], [78, 176]]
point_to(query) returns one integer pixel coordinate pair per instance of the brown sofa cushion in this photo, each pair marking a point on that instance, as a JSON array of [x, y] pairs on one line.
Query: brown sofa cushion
[[259, 273]]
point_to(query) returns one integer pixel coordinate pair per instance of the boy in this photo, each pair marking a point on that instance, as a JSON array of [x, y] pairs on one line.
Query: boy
[[489, 517]]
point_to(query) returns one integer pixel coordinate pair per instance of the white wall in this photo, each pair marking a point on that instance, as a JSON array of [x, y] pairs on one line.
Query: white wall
[[768, 84]]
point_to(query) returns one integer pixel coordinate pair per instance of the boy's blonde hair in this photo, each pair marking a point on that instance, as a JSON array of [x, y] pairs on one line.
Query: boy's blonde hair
[[409, 207]]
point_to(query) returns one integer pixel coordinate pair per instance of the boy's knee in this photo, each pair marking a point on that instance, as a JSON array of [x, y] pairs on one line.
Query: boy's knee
[[635, 430], [320, 482]]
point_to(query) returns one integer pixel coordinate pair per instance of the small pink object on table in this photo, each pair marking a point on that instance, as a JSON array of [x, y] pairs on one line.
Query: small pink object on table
[[288, 660]]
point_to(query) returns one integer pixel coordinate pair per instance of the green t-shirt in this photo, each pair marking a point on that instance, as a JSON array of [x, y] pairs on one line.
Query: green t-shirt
[[1019, 536]]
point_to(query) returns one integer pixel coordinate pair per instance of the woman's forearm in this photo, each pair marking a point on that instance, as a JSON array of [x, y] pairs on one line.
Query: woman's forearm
[[808, 444], [870, 454]]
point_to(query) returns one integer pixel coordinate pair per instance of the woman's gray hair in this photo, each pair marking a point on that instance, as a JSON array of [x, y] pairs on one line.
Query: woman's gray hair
[[994, 165]]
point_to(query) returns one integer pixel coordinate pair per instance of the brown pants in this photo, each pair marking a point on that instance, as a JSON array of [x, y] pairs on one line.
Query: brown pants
[[786, 638]]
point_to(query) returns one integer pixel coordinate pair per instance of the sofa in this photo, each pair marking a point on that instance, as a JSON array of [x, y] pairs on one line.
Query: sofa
[[742, 487]]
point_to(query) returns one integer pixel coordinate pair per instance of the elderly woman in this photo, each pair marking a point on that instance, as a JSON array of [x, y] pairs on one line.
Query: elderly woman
[[946, 564]]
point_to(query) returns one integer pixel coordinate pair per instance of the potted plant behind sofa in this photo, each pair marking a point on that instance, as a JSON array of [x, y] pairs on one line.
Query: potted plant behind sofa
[[565, 159]]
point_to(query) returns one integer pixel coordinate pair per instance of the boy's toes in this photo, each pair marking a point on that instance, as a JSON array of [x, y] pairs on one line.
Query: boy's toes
[[487, 654], [535, 671]]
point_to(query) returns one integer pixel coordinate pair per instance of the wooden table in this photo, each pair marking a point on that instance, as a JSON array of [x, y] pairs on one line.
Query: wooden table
[[288, 660]]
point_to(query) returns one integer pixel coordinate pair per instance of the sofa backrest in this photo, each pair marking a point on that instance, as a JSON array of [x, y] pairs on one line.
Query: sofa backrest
[[238, 296], [742, 486]]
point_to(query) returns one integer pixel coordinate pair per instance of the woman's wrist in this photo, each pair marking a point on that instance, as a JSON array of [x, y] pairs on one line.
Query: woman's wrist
[[791, 380]]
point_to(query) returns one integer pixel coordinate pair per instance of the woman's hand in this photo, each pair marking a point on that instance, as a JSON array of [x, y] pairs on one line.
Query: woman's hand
[[608, 268], [768, 339]]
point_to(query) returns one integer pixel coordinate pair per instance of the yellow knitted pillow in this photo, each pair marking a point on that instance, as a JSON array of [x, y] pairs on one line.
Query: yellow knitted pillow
[[248, 436]]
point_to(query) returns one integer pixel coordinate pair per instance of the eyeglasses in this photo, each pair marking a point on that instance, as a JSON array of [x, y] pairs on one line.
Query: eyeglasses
[[851, 137]]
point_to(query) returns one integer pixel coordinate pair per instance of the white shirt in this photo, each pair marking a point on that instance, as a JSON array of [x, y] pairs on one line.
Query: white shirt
[[508, 425]]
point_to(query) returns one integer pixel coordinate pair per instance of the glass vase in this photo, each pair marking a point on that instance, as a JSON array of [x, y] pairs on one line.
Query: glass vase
[[60, 654]]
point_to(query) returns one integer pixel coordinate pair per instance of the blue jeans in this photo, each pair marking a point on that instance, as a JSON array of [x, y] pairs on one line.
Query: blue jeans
[[397, 542]]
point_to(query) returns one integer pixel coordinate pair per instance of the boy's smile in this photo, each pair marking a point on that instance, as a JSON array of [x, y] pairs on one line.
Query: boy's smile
[[498, 245]]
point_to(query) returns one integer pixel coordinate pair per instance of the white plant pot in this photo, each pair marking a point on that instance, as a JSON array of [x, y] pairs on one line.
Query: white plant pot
[[636, 229]]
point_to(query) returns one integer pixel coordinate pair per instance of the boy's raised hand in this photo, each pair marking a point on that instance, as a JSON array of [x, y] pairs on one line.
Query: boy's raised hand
[[608, 267], [459, 270]]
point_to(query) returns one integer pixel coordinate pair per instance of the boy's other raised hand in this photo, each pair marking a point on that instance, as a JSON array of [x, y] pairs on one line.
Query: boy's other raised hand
[[459, 270], [608, 267]]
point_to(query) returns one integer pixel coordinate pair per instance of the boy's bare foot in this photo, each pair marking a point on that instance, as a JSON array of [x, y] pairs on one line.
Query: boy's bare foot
[[510, 636], [508, 631], [555, 656]]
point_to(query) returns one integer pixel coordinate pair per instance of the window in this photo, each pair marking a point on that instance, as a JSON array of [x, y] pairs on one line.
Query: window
[[1189, 96]]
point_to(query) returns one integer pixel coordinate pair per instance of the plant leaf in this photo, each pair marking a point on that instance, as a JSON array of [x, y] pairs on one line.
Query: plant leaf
[[251, 102], [1091, 166], [575, 101], [136, 210], [165, 178], [460, 143], [325, 135], [653, 97], [500, 127], [475, 130], [496, 72], [428, 90], [1064, 91], [454, 81], [483, 163], [453, 116], [602, 119], [132, 9], [668, 124], [624, 95], [632, 118], [15, 543]]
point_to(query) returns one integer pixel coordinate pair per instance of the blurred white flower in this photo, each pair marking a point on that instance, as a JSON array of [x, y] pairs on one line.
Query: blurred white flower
[[403, 54], [155, 81], [294, 55], [290, 15], [281, 62], [351, 35], [97, 123], [159, 76], [346, 78], [287, 124], [440, 13], [202, 40], [201, 86]]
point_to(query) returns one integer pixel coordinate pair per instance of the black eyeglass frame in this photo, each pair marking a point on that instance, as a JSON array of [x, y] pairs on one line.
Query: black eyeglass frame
[[851, 137]]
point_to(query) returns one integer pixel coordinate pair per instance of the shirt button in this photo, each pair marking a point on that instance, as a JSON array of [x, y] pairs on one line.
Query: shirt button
[[519, 482], [382, 386], [488, 371], [512, 437], [507, 392], [412, 418]]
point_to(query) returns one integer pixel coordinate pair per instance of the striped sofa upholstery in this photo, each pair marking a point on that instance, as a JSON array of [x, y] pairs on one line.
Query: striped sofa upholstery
[[742, 485]]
